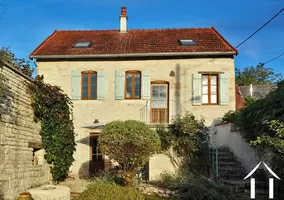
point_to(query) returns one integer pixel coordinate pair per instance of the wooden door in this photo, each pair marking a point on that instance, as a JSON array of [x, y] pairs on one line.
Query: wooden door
[[159, 103], [96, 158]]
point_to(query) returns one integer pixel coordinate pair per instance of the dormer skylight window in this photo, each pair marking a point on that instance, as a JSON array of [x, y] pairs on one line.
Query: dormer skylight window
[[187, 42], [82, 44]]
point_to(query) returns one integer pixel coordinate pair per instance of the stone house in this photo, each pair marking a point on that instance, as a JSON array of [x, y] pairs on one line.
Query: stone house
[[22, 163], [149, 75]]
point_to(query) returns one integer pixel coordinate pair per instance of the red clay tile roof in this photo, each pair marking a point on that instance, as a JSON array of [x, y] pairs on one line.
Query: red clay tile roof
[[133, 42]]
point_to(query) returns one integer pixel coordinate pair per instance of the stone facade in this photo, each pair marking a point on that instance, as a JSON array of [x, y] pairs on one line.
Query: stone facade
[[176, 72], [20, 141]]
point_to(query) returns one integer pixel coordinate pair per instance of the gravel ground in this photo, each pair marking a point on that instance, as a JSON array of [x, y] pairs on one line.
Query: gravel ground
[[76, 185]]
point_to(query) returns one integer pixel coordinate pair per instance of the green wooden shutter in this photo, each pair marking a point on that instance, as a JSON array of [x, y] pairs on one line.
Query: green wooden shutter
[[196, 89], [119, 85], [75, 85], [223, 89], [146, 84], [101, 88]]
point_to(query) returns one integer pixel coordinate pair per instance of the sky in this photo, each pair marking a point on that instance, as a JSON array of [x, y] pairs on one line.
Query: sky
[[27, 23]]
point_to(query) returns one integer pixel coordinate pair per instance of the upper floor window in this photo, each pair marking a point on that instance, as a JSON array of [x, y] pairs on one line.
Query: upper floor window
[[132, 85], [210, 89], [89, 85]]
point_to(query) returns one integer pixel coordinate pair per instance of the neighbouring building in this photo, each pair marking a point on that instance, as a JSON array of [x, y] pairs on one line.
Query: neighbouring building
[[253, 91], [22, 163], [150, 75]]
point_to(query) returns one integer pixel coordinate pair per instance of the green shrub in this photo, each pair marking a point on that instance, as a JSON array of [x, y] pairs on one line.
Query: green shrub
[[107, 177], [230, 116], [189, 138], [204, 189], [107, 191], [130, 143]]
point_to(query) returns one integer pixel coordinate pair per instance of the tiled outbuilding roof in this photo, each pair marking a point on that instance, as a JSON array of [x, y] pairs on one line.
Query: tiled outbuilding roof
[[112, 42], [258, 91]]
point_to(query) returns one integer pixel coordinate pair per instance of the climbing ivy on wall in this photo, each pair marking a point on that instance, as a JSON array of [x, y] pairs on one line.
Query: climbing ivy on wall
[[53, 109]]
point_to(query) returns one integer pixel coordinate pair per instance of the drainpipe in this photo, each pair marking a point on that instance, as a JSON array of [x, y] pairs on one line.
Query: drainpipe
[[34, 61]]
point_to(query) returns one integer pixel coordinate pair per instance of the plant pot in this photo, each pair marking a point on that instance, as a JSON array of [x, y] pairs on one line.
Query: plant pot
[[25, 196]]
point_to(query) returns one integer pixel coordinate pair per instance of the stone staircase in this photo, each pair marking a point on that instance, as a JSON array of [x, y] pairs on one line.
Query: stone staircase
[[231, 173]]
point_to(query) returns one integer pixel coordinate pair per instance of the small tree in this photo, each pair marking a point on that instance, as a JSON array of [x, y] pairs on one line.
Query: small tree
[[189, 139], [259, 75], [130, 143]]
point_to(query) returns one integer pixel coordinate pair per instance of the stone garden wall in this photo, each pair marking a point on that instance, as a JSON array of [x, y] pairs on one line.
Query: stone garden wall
[[22, 165]]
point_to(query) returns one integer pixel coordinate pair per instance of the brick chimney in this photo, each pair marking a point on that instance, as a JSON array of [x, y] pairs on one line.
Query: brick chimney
[[123, 20]]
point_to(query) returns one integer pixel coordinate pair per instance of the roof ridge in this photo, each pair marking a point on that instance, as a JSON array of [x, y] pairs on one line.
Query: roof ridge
[[41, 44], [224, 40], [154, 29]]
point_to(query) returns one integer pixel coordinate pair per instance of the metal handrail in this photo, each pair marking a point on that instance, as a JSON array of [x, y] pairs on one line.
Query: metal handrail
[[216, 166]]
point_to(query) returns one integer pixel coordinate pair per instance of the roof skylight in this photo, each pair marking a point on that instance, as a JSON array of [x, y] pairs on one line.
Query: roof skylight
[[187, 42], [82, 44]]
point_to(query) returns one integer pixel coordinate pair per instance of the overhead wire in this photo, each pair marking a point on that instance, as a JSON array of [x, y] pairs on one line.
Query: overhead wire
[[259, 28], [274, 58]]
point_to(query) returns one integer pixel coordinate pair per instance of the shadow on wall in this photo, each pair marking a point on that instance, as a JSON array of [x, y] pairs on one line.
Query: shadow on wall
[[177, 91], [2, 190], [84, 170]]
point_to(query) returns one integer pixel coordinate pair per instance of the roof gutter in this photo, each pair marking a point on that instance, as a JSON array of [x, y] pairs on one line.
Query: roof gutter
[[228, 53]]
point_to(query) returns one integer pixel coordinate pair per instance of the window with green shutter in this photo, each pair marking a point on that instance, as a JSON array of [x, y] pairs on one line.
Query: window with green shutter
[[132, 85], [210, 89], [88, 85]]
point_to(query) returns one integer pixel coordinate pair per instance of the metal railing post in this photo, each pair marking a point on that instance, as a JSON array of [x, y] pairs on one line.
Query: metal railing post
[[217, 164]]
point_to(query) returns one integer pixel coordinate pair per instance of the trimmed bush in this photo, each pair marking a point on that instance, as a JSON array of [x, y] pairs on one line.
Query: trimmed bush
[[130, 143], [107, 191]]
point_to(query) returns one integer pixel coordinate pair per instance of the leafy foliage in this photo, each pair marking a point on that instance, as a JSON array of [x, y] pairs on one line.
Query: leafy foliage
[[273, 144], [109, 191], [107, 176], [251, 118], [54, 109], [204, 188], [188, 137], [194, 187], [130, 143], [230, 116], [6, 55], [259, 75]]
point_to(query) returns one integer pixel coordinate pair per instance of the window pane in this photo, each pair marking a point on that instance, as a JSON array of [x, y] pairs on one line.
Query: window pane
[[137, 85], [137, 77], [163, 96], [213, 98], [213, 90], [137, 93], [93, 78], [204, 98], [85, 86], [94, 94], [155, 89], [155, 104], [85, 94], [163, 104], [213, 80], [85, 78], [204, 89], [204, 80], [155, 96], [128, 93], [129, 85], [129, 81], [162, 89]]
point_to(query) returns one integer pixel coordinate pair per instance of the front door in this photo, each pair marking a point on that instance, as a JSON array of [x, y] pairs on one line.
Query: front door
[[96, 158], [159, 103]]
